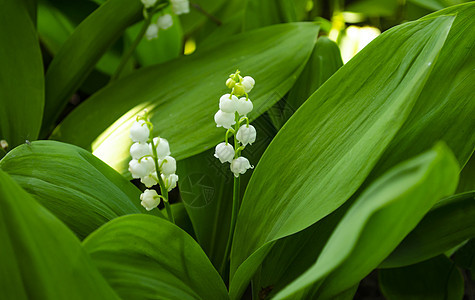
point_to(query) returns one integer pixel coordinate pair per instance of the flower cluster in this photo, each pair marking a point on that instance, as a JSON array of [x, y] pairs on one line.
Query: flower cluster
[[164, 21], [233, 110], [151, 159]]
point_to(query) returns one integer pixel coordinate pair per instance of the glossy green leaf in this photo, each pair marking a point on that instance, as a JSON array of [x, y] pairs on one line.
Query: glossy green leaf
[[21, 75], [434, 279], [77, 187], [377, 222], [339, 134], [40, 258], [82, 51], [448, 224], [144, 257], [467, 176], [182, 96]]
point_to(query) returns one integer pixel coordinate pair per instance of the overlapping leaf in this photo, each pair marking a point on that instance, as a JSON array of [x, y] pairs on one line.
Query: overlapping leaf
[[376, 223], [74, 185], [144, 257], [352, 123], [40, 258]]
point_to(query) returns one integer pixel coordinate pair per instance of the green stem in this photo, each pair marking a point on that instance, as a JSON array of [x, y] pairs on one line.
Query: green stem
[[130, 51], [235, 209], [163, 188]]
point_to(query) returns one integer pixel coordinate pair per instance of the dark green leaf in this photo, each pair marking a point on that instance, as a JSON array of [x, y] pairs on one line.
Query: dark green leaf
[[74, 185], [434, 279], [448, 224], [145, 257], [21, 75], [40, 258]]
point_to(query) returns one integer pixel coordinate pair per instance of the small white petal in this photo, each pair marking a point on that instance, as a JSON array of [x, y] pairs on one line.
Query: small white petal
[[167, 165], [246, 135], [240, 166], [149, 180], [150, 199], [139, 150], [180, 6], [148, 3], [152, 32], [227, 103], [139, 132], [224, 119], [141, 168], [165, 21], [170, 181], [225, 153], [244, 106], [248, 83], [162, 146]]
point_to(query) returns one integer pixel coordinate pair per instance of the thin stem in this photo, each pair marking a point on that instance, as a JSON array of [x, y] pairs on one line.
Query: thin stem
[[235, 208], [131, 50], [163, 188]]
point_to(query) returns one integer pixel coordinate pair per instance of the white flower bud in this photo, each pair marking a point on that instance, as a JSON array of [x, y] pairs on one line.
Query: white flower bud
[[244, 106], [149, 180], [246, 135], [4, 144], [225, 153], [230, 83], [148, 3], [224, 119], [240, 166], [170, 181], [139, 150], [165, 21], [139, 132], [227, 103], [248, 83], [239, 89], [152, 32], [167, 165], [180, 6], [142, 168], [162, 146], [150, 199]]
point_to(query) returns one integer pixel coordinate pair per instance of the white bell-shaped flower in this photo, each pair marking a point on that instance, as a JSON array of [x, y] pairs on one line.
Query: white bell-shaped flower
[[141, 168], [139, 131], [224, 119], [227, 103], [162, 146], [148, 3], [244, 106], [246, 134], [167, 165], [149, 180], [224, 152], [152, 32], [170, 181], [180, 6], [248, 83], [150, 199], [165, 21], [240, 166], [139, 150], [239, 89]]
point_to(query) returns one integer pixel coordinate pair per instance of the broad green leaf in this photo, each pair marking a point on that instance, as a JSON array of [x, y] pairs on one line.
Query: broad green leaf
[[377, 222], [374, 8], [269, 12], [200, 12], [182, 219], [21, 75], [40, 258], [448, 224], [467, 176], [465, 257], [182, 96], [75, 186], [145, 257], [206, 188], [80, 53], [339, 133], [434, 279]]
